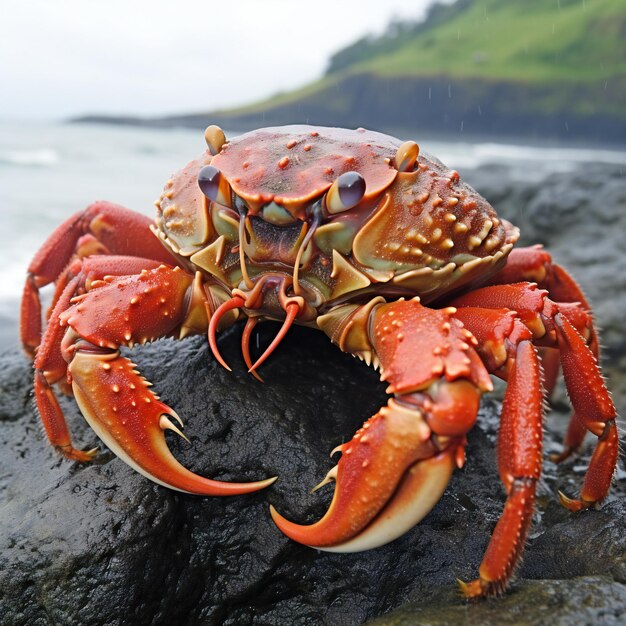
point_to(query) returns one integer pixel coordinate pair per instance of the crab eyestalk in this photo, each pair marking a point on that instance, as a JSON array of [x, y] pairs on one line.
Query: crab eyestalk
[[214, 185]]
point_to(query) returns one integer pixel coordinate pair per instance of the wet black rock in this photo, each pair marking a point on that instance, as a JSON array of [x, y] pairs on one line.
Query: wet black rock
[[99, 544]]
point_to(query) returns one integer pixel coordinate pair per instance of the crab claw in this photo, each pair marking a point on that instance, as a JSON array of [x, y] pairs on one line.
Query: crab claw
[[389, 477], [130, 419]]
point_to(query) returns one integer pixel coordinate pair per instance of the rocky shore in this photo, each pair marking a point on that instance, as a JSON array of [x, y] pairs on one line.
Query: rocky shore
[[99, 544]]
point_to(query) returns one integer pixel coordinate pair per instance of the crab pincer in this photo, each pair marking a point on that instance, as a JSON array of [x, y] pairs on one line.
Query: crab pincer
[[398, 465], [113, 397]]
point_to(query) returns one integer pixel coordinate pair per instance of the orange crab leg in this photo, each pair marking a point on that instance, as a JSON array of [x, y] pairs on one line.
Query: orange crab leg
[[536, 265], [590, 398], [505, 345], [50, 367], [595, 409], [397, 466], [101, 228]]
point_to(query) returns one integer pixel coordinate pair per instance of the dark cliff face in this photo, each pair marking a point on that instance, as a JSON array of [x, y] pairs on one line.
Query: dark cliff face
[[437, 106], [100, 544], [449, 106]]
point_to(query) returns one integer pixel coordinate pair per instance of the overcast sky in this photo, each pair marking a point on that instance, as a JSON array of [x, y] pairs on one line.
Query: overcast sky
[[60, 58]]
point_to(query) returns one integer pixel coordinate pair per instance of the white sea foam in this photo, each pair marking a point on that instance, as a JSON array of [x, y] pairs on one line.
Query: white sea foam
[[42, 157], [547, 159]]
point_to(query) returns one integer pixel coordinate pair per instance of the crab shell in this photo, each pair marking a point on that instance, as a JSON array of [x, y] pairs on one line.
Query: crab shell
[[421, 231]]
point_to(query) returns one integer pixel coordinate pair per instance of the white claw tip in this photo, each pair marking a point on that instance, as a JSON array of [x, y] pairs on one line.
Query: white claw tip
[[166, 424], [332, 475]]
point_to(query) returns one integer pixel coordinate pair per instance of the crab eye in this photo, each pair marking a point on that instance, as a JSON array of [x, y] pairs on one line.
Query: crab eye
[[345, 192], [214, 185]]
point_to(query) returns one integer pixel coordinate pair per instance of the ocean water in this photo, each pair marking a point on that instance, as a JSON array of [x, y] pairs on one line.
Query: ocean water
[[49, 171]]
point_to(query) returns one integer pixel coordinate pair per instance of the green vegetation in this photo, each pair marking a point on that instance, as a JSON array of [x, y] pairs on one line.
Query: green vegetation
[[524, 68], [526, 40]]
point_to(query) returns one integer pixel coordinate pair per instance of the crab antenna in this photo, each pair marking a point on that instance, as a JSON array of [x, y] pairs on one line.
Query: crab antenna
[[242, 233], [215, 139], [229, 305], [245, 345], [406, 156], [293, 308], [317, 220]]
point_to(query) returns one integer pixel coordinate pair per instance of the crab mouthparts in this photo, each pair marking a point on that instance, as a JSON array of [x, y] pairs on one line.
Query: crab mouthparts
[[270, 291]]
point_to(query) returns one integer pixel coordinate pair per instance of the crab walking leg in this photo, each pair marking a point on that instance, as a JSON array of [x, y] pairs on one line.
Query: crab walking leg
[[51, 367], [505, 345], [535, 264], [102, 227], [552, 326], [111, 394], [595, 409], [398, 465], [551, 362]]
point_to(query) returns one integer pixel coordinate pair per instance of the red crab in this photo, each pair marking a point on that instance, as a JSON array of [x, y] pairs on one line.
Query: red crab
[[383, 249]]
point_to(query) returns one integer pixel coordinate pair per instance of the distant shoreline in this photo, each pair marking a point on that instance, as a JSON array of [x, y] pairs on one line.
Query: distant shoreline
[[200, 121]]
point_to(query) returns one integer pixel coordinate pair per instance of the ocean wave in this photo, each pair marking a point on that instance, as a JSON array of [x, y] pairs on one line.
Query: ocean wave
[[41, 157], [556, 159]]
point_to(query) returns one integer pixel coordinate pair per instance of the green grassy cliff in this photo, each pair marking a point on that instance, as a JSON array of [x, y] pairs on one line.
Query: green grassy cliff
[[526, 68]]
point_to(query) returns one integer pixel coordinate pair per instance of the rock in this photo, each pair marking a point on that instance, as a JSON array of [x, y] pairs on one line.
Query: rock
[[576, 602], [100, 544]]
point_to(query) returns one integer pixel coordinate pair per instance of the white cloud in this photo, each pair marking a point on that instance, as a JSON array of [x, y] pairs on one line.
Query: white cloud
[[70, 57]]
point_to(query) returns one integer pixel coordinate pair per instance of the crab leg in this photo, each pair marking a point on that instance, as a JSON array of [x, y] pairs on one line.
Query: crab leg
[[535, 264], [111, 394], [397, 466], [102, 228], [552, 326], [505, 345], [564, 289]]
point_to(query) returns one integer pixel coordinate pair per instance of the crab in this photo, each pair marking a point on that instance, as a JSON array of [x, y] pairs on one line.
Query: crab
[[383, 249]]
